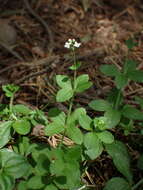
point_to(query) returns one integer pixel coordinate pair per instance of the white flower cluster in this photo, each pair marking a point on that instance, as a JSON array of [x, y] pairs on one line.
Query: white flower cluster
[[72, 44]]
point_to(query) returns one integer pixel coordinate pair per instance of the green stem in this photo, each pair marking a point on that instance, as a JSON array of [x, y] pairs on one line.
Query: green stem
[[137, 185], [117, 100], [10, 108], [11, 103], [71, 101]]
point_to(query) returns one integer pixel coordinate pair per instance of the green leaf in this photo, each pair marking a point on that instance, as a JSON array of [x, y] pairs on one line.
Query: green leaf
[[57, 116], [82, 83], [113, 118], [5, 136], [64, 94], [70, 176], [43, 164], [6, 182], [109, 70], [66, 170], [63, 81], [35, 182], [136, 76], [139, 101], [22, 185], [74, 153], [22, 126], [74, 133], [53, 128], [132, 113], [106, 137], [75, 66], [100, 123], [99, 105], [10, 89], [121, 159], [129, 66], [121, 80], [76, 114], [51, 187], [117, 182], [130, 43], [19, 108], [85, 122], [93, 145], [13, 164]]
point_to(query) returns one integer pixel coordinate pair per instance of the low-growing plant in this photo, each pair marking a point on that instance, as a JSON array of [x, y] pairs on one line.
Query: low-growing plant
[[25, 165]]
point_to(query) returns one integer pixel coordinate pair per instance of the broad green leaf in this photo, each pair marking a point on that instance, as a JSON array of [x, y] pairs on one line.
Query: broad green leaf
[[121, 80], [57, 116], [66, 169], [132, 113], [75, 66], [35, 182], [5, 136], [22, 185], [106, 137], [130, 43], [43, 164], [136, 76], [99, 105], [63, 81], [51, 187], [64, 94], [6, 182], [74, 133], [85, 122], [76, 114], [113, 117], [74, 153], [53, 128], [70, 176], [129, 66], [109, 70], [93, 145], [82, 83], [117, 183], [21, 109], [139, 101], [13, 164], [22, 126], [121, 159]]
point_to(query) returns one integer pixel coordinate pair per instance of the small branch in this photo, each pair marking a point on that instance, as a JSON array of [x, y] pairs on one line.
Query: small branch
[[44, 24]]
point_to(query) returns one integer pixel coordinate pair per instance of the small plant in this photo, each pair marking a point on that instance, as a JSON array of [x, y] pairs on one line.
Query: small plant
[[38, 166]]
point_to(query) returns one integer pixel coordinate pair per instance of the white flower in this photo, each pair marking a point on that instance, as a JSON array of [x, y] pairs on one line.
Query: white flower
[[72, 44], [67, 45], [76, 44]]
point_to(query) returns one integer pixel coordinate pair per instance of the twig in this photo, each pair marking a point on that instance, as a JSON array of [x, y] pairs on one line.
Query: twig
[[33, 75], [45, 25], [44, 61], [9, 49]]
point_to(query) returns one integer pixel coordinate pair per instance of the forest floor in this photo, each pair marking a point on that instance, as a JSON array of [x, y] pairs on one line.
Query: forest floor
[[102, 30]]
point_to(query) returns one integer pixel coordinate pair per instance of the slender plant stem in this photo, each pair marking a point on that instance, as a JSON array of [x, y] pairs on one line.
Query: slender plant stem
[[10, 108], [137, 185], [117, 100], [71, 101], [11, 103]]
